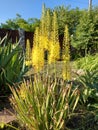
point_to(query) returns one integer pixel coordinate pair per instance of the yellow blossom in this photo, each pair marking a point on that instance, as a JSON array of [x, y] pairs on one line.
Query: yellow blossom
[[66, 55], [37, 58], [53, 53]]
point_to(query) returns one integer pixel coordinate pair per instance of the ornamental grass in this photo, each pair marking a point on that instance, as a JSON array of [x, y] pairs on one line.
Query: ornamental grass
[[46, 104]]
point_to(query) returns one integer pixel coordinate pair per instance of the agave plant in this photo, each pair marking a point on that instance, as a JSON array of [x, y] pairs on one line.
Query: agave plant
[[44, 104], [11, 64]]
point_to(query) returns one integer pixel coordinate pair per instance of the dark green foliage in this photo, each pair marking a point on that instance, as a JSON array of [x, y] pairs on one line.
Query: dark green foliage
[[88, 84], [11, 65], [89, 63], [19, 22], [67, 16], [85, 38]]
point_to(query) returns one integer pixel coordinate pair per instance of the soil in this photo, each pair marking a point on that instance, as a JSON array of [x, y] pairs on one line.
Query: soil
[[6, 111]]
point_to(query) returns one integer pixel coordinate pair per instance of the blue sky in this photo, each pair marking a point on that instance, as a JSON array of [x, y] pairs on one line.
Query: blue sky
[[32, 8]]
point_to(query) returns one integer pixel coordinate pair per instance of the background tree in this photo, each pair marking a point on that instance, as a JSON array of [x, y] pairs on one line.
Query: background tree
[[19, 22], [95, 32], [86, 34], [67, 16], [10, 24]]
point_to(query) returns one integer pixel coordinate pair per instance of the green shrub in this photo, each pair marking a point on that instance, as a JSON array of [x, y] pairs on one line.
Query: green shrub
[[89, 63], [89, 89]]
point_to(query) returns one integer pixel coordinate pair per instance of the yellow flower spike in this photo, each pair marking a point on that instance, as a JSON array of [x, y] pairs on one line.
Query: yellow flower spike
[[54, 33], [66, 46], [37, 58], [28, 53], [43, 21], [54, 51], [66, 55], [36, 37]]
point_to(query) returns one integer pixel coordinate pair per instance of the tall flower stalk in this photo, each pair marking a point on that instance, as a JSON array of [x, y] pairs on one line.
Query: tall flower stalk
[[37, 52], [28, 53], [66, 55], [46, 39], [54, 42]]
